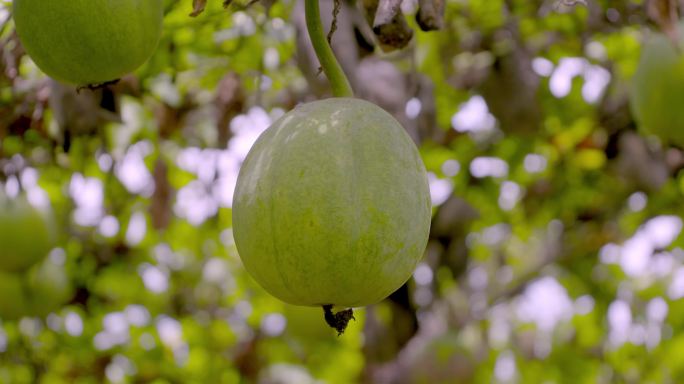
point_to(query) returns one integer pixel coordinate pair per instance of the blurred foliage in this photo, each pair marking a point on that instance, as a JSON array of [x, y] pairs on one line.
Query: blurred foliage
[[555, 253]]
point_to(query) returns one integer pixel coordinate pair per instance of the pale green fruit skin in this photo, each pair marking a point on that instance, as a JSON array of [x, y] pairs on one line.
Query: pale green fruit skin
[[658, 89], [25, 235], [14, 302], [88, 41], [332, 205]]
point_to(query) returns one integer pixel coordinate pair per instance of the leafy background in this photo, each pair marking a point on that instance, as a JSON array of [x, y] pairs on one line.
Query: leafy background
[[555, 250]]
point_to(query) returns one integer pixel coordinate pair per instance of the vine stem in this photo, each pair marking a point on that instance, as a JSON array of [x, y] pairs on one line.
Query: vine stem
[[331, 67]]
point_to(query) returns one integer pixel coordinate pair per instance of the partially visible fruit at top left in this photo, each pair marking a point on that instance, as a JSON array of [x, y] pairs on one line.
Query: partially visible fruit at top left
[[88, 42]]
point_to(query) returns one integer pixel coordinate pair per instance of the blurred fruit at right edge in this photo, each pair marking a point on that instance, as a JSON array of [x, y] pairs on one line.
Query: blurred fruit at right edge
[[657, 93], [25, 234]]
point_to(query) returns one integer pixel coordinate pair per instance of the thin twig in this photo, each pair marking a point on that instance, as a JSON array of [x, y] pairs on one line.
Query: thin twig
[[333, 26]]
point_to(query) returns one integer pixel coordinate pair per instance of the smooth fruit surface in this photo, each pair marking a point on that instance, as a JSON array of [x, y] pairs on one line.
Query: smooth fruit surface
[[25, 235], [658, 89], [88, 41], [332, 205]]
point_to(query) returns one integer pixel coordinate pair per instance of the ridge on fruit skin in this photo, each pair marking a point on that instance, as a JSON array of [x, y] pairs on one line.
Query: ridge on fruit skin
[[332, 205], [88, 42]]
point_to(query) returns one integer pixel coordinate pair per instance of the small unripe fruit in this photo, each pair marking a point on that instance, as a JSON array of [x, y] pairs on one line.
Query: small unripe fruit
[[25, 235], [48, 288], [39, 291]]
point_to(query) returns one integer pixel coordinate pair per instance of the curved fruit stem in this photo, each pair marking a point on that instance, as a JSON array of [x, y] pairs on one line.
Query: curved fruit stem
[[331, 67]]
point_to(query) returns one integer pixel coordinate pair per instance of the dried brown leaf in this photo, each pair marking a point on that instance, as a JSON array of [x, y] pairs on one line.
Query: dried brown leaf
[[198, 7]]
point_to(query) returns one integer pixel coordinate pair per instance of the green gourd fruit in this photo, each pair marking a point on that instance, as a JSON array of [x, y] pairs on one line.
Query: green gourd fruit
[[657, 90], [88, 42], [332, 205], [26, 235]]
